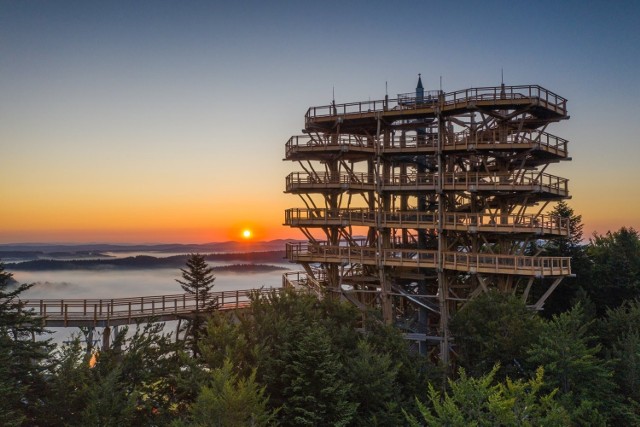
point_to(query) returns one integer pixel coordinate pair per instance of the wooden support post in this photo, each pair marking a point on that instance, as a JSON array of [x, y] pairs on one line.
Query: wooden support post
[[106, 337], [90, 340], [543, 298]]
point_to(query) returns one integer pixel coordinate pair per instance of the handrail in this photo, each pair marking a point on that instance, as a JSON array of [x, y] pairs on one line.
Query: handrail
[[415, 219], [489, 139], [459, 97], [134, 308], [422, 258], [452, 181], [323, 141]]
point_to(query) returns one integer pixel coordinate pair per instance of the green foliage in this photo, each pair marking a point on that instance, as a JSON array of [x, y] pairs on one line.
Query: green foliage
[[573, 247], [479, 402], [224, 340], [314, 392], [566, 350], [197, 279], [138, 380], [316, 367], [619, 334], [616, 268], [374, 380], [227, 401], [494, 328], [23, 360], [570, 245], [69, 384], [296, 335]]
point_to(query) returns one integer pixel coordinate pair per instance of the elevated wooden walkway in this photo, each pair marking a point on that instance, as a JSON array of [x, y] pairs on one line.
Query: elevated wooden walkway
[[131, 310]]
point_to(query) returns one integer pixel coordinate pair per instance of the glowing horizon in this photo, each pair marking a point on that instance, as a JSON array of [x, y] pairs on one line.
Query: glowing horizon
[[123, 123]]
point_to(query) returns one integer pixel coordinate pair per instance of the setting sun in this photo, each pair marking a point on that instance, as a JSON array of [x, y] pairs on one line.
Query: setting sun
[[246, 234]]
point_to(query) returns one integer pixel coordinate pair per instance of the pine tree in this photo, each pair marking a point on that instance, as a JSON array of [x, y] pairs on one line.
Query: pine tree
[[315, 393], [22, 358], [616, 268], [198, 281], [229, 401], [494, 328], [479, 402], [570, 358], [569, 246]]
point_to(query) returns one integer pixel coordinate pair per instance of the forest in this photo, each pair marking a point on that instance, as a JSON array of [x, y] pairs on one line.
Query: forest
[[295, 360]]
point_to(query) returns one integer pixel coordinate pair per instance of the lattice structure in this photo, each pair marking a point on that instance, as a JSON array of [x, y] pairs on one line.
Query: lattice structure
[[417, 204]]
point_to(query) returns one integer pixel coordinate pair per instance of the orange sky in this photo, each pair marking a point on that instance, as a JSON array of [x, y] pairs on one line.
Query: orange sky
[[161, 124]]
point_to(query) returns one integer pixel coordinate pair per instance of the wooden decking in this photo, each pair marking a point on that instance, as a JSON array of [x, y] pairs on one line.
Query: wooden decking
[[420, 258], [122, 311]]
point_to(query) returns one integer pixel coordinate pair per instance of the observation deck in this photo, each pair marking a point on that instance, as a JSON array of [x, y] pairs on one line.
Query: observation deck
[[541, 225], [541, 145], [545, 185], [421, 258], [543, 106]]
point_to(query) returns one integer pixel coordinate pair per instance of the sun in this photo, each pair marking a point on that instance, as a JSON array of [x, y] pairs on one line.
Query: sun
[[246, 233]]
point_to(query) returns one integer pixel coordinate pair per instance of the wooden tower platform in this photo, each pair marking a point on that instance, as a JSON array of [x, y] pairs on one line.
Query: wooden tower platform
[[417, 204]]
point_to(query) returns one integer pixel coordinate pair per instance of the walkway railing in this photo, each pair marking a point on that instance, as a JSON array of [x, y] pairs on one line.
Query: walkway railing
[[459, 181], [119, 311], [418, 258], [460, 98], [487, 222], [400, 143]]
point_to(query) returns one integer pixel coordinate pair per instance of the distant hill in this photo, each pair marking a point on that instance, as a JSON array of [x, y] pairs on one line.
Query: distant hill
[[248, 260], [40, 251]]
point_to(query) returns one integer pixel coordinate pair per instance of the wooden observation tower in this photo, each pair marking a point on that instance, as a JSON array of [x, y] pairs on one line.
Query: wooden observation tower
[[417, 204]]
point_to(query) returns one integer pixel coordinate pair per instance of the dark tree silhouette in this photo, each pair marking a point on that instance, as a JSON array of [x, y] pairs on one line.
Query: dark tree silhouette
[[197, 279], [22, 358]]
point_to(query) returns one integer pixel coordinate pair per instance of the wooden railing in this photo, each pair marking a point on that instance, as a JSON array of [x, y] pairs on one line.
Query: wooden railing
[[114, 311], [460, 98], [490, 222], [458, 181], [401, 143], [301, 280], [321, 142], [418, 258]]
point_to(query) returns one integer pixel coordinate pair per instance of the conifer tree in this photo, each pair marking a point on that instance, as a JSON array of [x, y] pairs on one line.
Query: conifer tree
[[569, 246], [570, 358], [197, 279], [22, 358], [481, 402]]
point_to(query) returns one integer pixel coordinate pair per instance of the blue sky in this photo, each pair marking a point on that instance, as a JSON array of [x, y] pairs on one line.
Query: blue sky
[[166, 120]]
